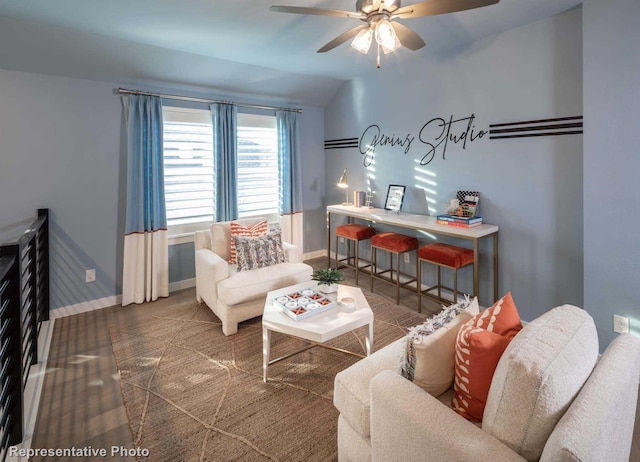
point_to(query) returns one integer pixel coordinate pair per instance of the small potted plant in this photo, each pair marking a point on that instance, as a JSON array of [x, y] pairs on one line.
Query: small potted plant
[[328, 279]]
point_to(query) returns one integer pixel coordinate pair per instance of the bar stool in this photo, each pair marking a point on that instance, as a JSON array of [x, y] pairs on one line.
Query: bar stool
[[442, 255], [393, 243], [353, 233]]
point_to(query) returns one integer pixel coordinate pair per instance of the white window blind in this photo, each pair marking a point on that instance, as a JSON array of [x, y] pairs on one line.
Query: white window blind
[[188, 168], [189, 174], [257, 166]]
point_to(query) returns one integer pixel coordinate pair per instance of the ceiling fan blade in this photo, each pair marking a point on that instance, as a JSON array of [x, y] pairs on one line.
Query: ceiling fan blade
[[316, 11], [340, 39], [407, 37], [433, 7]]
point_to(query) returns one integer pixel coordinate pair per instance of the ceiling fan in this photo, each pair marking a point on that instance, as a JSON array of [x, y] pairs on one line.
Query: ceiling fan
[[379, 15]]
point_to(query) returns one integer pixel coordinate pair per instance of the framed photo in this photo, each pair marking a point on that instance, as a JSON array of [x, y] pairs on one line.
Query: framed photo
[[395, 195]]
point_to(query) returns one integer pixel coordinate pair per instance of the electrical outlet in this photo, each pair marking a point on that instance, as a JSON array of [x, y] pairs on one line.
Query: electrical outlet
[[407, 257], [620, 324], [90, 275], [341, 239]]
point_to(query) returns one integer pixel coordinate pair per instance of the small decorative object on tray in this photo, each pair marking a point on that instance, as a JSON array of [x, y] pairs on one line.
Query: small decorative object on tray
[[303, 303], [465, 205]]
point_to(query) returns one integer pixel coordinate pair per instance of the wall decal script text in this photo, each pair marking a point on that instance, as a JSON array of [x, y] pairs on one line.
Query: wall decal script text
[[434, 135]]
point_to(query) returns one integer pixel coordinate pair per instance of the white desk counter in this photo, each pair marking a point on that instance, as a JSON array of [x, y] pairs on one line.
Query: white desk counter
[[423, 223]]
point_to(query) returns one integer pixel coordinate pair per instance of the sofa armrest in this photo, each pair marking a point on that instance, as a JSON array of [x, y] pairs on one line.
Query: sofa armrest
[[409, 424], [210, 269], [291, 251]]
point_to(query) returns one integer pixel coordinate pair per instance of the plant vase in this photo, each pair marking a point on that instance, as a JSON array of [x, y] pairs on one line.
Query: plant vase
[[328, 288]]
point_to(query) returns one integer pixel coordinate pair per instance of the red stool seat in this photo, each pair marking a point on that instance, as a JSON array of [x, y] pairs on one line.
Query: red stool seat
[[446, 254], [394, 242], [355, 231]]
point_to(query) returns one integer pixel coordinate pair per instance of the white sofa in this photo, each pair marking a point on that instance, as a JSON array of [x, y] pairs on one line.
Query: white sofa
[[551, 399], [235, 296]]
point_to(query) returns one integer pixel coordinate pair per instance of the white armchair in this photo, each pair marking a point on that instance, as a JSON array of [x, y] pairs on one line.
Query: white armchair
[[235, 296], [551, 399]]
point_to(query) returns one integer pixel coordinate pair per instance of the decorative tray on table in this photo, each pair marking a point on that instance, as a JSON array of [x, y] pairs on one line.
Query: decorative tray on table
[[303, 303]]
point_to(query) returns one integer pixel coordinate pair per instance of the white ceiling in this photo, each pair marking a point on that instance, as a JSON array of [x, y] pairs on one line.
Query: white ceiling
[[191, 42]]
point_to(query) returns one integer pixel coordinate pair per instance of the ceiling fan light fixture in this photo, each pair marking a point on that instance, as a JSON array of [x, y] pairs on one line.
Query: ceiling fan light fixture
[[362, 41], [396, 45], [386, 35], [388, 4]]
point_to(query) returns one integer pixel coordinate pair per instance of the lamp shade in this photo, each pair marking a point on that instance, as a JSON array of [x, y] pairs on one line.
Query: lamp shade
[[362, 42], [385, 34], [343, 182]]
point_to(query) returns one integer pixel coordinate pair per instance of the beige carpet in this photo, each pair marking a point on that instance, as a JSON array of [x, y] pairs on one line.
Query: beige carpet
[[193, 394]]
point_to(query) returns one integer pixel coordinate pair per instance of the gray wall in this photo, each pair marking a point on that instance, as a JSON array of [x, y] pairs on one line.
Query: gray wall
[[62, 147], [611, 162], [531, 187]]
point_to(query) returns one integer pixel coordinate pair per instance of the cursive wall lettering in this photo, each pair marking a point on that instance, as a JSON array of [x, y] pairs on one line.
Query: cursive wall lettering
[[372, 137], [435, 135], [442, 130]]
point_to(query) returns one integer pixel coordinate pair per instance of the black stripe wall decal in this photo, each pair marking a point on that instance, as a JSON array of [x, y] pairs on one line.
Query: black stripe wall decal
[[343, 143], [534, 128]]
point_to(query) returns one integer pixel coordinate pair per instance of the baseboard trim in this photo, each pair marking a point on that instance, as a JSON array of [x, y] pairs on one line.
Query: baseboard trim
[[84, 307], [315, 254], [184, 284]]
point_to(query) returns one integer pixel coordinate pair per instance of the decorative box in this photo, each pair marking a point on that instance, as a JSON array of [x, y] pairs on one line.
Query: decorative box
[[303, 303]]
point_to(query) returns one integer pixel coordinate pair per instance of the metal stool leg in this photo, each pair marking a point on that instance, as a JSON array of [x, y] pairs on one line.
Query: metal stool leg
[[419, 283], [397, 278], [439, 283], [455, 285], [357, 260], [373, 265]]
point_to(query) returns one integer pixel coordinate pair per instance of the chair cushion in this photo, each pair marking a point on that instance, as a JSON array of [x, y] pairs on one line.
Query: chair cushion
[[538, 376], [394, 242], [446, 254], [479, 346], [244, 286], [259, 252], [355, 231], [428, 356], [239, 230]]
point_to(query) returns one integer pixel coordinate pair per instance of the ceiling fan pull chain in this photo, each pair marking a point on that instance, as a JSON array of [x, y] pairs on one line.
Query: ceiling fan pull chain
[[378, 61]]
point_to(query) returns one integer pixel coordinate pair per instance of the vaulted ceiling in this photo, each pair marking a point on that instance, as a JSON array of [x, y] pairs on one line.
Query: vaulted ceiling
[[231, 46]]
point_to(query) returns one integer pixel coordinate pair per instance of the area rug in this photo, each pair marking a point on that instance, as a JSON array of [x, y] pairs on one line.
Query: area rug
[[193, 394]]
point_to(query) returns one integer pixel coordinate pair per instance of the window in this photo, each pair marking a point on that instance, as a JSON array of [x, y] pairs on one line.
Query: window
[[257, 166], [189, 171]]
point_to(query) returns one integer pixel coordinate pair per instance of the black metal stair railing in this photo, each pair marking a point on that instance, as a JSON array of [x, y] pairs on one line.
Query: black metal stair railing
[[24, 305]]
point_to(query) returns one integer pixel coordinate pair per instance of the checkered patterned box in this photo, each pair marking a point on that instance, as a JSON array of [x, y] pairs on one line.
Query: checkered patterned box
[[303, 303]]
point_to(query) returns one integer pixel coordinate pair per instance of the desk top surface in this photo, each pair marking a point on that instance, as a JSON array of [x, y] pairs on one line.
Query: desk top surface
[[412, 221]]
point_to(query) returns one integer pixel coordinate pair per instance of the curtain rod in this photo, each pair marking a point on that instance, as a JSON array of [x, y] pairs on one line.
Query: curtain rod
[[124, 91]]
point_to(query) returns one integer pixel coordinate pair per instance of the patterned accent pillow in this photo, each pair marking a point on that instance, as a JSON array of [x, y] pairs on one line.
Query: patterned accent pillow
[[259, 229], [427, 359], [479, 346], [259, 252]]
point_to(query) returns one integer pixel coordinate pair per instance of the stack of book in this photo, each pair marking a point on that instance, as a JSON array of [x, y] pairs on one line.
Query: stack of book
[[462, 222]]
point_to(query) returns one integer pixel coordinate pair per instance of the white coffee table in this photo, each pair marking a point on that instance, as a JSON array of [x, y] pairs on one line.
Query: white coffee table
[[319, 328]]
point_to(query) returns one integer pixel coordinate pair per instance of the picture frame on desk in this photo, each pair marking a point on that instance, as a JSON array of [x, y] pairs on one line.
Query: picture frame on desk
[[395, 196]]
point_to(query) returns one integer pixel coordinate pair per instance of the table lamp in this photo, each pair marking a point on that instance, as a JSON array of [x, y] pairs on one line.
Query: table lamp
[[342, 183]]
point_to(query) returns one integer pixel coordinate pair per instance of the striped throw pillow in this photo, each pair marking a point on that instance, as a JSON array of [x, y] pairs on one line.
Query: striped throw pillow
[[259, 229], [479, 346]]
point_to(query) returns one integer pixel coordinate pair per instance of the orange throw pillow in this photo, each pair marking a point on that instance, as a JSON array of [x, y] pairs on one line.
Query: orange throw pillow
[[259, 229], [479, 346]]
